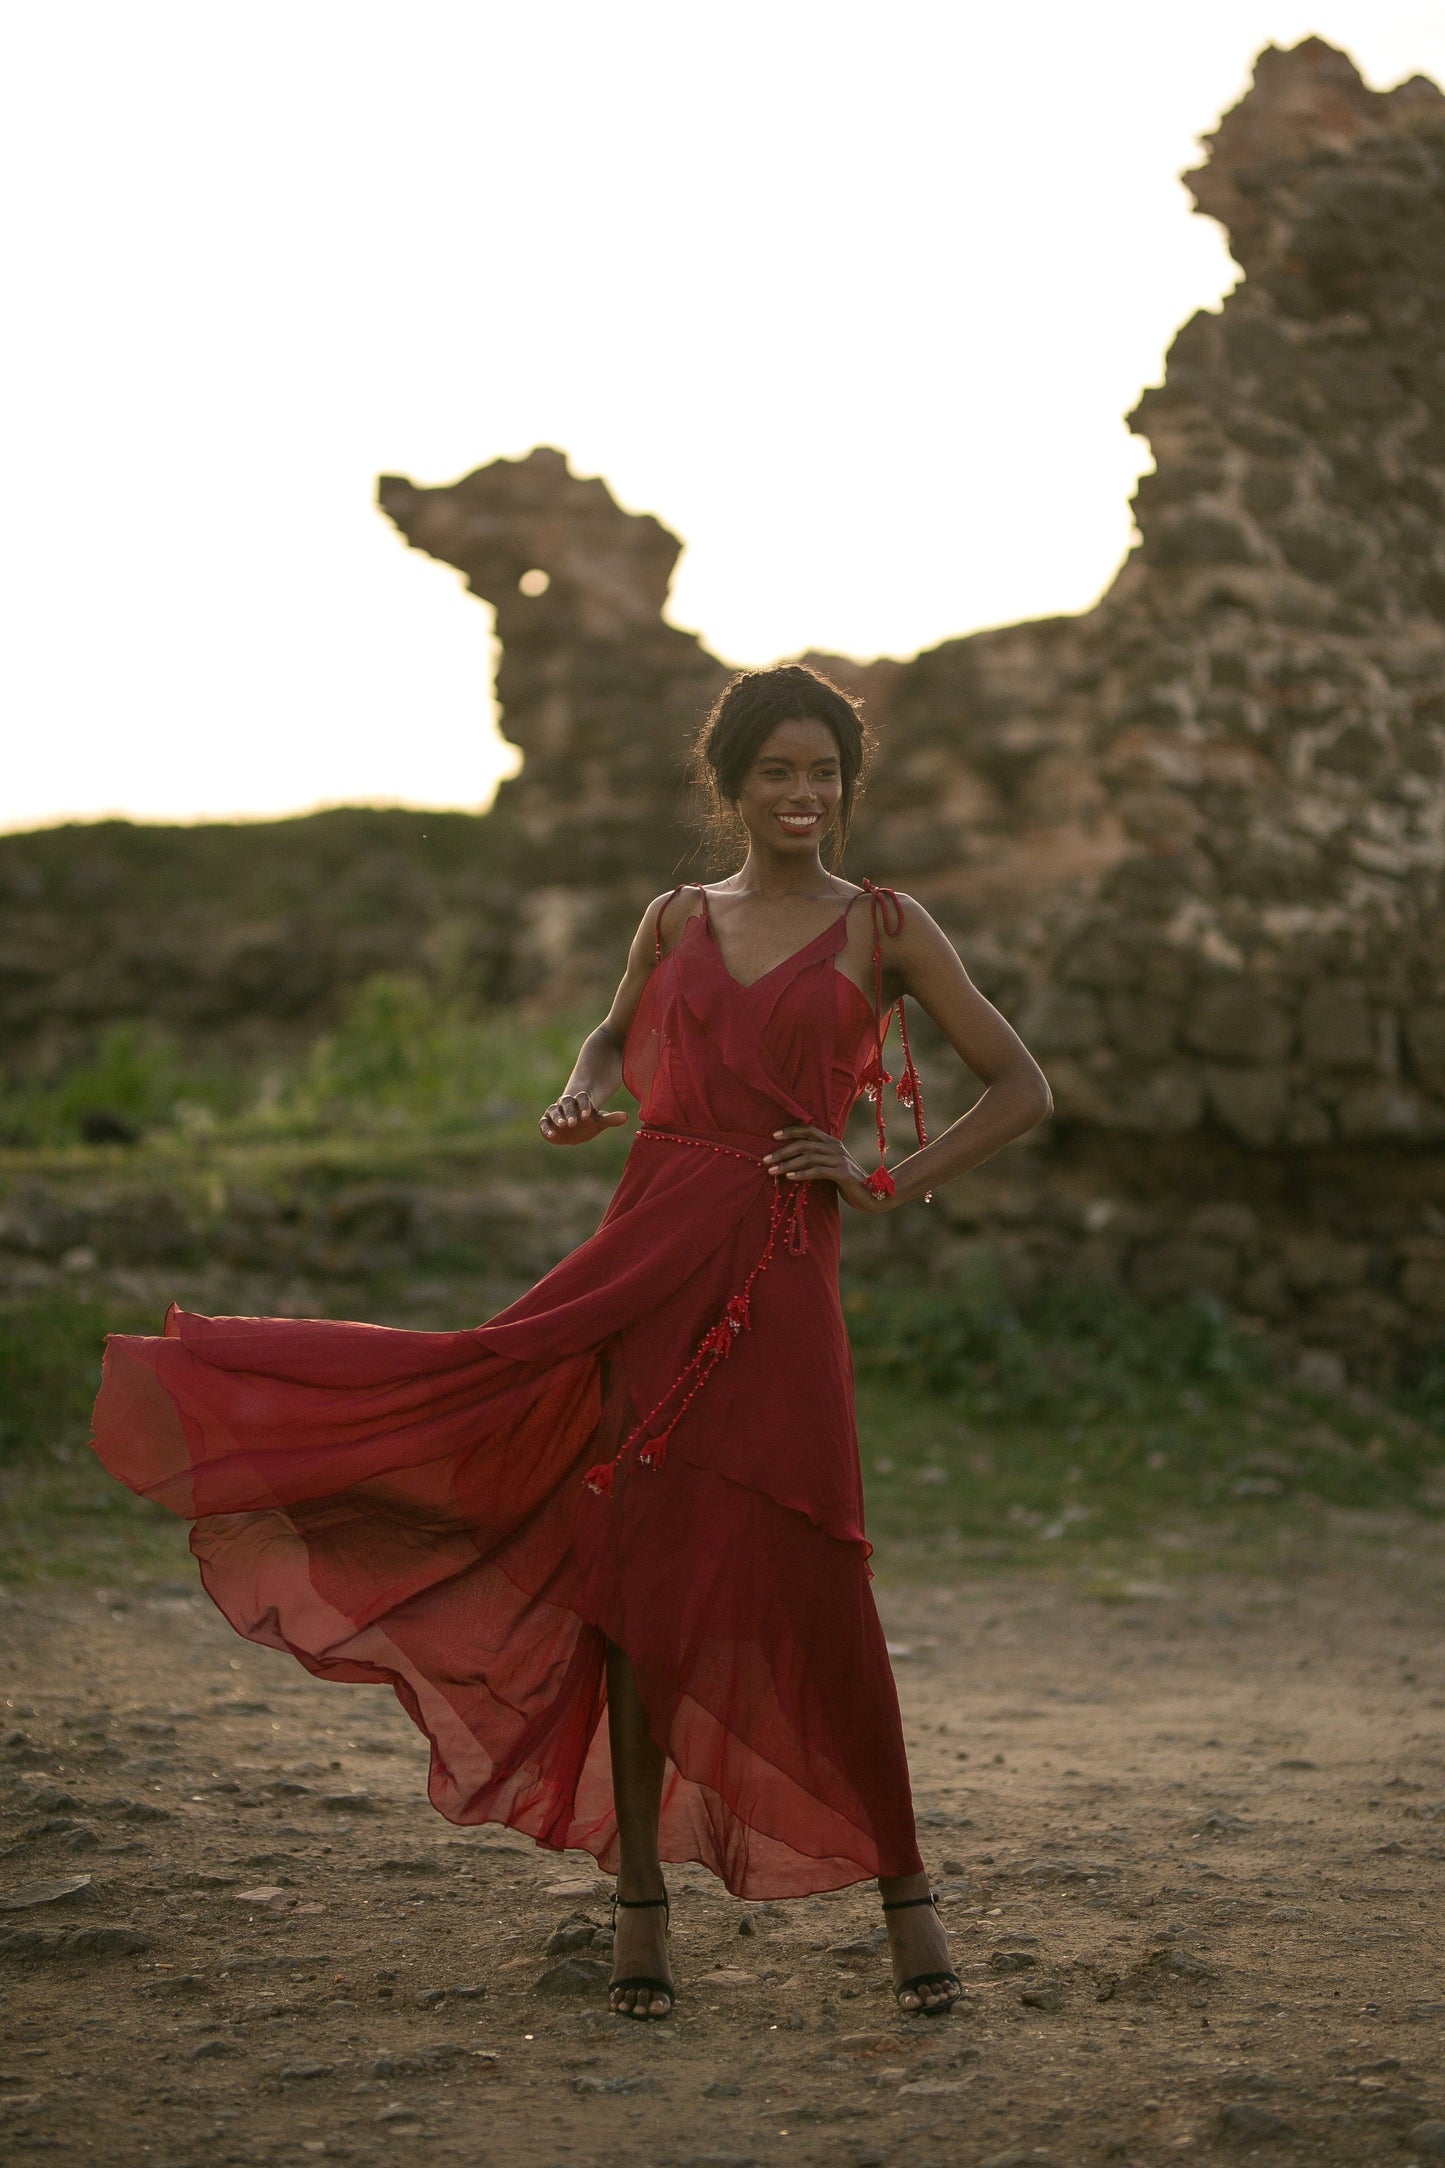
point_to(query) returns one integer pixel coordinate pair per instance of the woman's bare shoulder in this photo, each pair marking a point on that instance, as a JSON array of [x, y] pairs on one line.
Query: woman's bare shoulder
[[898, 914], [666, 915]]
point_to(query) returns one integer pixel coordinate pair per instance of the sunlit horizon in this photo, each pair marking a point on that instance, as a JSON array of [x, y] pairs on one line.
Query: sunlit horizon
[[855, 305]]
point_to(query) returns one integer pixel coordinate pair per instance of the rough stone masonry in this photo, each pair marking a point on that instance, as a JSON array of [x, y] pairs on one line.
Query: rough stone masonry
[[1192, 840]]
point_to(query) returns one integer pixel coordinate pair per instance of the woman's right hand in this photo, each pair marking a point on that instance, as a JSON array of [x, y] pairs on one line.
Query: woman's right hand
[[573, 1119]]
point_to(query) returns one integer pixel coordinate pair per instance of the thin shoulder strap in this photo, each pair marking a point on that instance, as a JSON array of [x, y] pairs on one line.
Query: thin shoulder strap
[[667, 902]]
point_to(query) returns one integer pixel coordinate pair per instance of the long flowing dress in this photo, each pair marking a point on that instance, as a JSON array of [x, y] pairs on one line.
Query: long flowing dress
[[655, 1447]]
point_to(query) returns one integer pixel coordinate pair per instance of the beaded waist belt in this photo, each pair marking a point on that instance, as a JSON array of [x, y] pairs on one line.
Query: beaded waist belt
[[788, 1223], [701, 1142]]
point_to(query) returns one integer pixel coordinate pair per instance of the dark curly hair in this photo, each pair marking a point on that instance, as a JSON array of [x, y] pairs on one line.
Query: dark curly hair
[[746, 713]]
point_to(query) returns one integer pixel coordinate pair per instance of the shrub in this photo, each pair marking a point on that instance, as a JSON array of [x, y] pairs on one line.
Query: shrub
[[1072, 1348]]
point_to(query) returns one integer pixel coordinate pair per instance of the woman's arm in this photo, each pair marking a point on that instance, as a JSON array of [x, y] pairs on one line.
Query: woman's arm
[[920, 960], [576, 1116]]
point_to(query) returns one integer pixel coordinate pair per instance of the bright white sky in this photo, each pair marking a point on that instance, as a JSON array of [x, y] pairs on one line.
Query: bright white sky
[[854, 298]]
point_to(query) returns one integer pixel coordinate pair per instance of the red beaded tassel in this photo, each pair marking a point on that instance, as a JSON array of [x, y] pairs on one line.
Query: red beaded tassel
[[788, 1217], [887, 912]]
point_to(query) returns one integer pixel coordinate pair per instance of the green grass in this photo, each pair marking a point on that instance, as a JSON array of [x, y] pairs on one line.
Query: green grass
[[61, 1516], [411, 1058], [1080, 1429], [1080, 1432], [1087, 1430]]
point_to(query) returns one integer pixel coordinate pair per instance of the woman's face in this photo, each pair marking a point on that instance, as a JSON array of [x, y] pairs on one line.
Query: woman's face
[[793, 792]]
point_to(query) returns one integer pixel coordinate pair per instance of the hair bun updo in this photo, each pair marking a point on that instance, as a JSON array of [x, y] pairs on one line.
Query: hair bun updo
[[747, 711]]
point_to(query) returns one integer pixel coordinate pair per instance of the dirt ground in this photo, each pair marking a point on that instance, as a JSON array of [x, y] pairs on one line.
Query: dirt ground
[[1188, 1845]]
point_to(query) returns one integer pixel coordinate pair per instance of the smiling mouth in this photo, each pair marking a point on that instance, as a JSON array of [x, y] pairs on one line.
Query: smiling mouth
[[798, 824]]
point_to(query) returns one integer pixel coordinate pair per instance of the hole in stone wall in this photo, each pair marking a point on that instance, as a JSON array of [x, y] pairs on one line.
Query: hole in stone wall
[[536, 582]]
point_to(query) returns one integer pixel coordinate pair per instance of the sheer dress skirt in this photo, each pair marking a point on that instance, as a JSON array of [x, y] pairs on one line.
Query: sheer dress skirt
[[414, 1509]]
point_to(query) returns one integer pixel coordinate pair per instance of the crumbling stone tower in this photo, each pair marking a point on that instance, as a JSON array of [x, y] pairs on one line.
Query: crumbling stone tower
[[1192, 840]]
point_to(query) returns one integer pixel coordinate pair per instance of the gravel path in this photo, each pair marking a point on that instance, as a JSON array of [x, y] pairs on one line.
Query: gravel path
[[1189, 1849]]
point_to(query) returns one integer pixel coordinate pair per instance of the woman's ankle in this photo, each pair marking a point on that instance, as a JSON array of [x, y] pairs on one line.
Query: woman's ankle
[[640, 1884], [902, 1888]]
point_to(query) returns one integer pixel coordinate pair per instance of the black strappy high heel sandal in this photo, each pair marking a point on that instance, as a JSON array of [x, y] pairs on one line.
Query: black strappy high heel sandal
[[920, 1980], [641, 1979]]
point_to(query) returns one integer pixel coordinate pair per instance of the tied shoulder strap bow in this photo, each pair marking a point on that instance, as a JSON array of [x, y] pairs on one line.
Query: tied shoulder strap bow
[[886, 909]]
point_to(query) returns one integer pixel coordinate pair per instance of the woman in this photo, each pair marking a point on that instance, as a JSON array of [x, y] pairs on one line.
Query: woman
[[608, 1548]]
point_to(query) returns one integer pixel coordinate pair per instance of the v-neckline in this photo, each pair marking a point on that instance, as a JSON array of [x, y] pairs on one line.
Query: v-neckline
[[746, 986]]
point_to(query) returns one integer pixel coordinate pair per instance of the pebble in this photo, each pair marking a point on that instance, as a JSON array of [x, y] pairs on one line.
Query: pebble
[[572, 1976], [48, 1893], [861, 1945], [576, 1932], [1043, 1998], [1244, 2120], [1179, 1964], [1011, 1960], [106, 1942], [26, 1944], [50, 1798], [870, 2043], [621, 2084], [419, 2062], [722, 2089], [297, 2072], [1429, 2139], [267, 1897], [210, 2050]]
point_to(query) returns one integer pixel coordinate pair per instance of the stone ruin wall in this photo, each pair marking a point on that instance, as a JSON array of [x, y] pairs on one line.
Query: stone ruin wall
[[1190, 841]]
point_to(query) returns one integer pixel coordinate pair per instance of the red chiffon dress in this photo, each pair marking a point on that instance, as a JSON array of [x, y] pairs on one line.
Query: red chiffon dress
[[655, 1446]]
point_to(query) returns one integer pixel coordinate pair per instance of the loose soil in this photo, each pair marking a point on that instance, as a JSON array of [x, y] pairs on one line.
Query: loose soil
[[1188, 1845]]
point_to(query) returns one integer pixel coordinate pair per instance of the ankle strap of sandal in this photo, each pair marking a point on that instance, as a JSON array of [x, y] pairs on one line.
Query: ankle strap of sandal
[[904, 1904], [638, 1904]]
